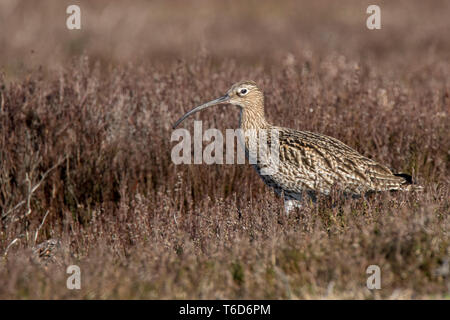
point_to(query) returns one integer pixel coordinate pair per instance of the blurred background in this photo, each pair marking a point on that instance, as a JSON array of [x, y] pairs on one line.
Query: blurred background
[[253, 32]]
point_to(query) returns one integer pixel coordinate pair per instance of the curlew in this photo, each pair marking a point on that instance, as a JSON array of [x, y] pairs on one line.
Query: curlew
[[309, 162]]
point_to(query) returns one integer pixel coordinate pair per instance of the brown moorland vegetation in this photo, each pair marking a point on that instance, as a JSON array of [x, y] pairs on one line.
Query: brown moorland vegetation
[[85, 153]]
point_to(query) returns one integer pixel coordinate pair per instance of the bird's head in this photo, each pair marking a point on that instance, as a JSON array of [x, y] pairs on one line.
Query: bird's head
[[244, 94]]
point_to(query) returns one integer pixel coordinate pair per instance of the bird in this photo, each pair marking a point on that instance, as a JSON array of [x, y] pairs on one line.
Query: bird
[[49, 251], [308, 163]]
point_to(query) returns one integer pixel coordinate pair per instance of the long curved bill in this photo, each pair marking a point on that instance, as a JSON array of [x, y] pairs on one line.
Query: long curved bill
[[220, 100]]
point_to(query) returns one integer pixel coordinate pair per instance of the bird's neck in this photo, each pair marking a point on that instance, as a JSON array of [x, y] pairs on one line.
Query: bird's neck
[[253, 118], [253, 123]]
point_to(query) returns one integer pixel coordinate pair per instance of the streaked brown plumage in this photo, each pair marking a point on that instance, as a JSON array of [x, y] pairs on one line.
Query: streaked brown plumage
[[310, 162]]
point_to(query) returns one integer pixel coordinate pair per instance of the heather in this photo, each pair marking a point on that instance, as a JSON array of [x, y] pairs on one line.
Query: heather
[[85, 153]]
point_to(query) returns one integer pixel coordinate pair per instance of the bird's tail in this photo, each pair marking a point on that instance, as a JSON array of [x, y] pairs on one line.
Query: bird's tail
[[408, 184]]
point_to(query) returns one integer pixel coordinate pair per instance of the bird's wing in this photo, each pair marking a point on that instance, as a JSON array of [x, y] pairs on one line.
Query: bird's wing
[[318, 162]]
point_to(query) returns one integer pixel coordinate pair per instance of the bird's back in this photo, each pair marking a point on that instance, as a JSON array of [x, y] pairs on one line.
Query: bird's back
[[312, 161]]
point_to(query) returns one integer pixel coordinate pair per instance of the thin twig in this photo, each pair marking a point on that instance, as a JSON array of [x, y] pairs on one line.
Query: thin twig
[[31, 190], [29, 194], [11, 243], [40, 226], [175, 218], [17, 206]]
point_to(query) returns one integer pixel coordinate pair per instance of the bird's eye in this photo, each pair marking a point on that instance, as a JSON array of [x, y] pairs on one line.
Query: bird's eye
[[243, 92]]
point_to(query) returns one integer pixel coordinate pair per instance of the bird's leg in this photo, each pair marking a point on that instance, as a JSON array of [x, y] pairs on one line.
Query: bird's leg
[[290, 205], [292, 202]]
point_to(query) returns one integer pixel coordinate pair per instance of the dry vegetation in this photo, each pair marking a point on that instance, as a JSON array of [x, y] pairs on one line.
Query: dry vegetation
[[85, 151]]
